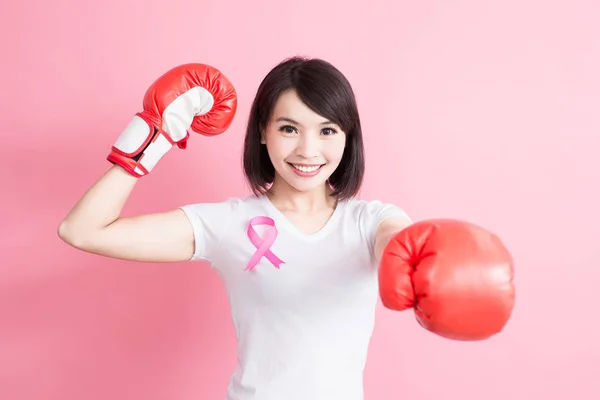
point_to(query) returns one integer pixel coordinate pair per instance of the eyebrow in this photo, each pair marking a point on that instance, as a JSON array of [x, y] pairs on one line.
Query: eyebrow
[[291, 121]]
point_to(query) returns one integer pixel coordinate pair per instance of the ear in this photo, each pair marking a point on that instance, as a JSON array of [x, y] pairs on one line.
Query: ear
[[262, 137]]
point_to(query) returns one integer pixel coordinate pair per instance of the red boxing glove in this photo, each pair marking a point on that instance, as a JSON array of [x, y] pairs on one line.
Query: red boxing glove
[[457, 276], [197, 97]]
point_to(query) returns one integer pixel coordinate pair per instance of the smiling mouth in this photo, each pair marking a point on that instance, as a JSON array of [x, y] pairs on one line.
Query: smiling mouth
[[306, 168]]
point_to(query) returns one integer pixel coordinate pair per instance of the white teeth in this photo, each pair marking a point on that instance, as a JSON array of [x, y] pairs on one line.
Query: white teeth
[[307, 169]]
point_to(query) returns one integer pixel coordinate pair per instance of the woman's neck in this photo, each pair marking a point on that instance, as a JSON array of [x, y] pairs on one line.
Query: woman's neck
[[285, 197]]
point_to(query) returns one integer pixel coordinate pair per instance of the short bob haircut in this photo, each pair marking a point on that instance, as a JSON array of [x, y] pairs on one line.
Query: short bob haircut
[[325, 90]]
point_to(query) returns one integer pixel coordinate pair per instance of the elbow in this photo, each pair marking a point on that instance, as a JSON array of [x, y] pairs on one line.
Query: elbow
[[71, 236], [63, 231]]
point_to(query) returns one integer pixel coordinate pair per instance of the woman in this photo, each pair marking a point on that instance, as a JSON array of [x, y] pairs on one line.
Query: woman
[[299, 257]]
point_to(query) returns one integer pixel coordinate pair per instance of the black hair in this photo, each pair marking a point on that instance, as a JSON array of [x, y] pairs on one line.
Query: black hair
[[326, 91]]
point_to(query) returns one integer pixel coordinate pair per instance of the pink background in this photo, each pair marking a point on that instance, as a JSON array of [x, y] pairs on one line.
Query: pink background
[[486, 112]]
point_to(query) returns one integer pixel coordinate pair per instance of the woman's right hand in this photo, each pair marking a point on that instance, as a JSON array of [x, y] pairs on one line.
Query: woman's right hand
[[195, 96]]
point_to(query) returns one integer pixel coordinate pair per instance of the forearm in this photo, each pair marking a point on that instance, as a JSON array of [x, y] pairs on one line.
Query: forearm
[[102, 203], [387, 231]]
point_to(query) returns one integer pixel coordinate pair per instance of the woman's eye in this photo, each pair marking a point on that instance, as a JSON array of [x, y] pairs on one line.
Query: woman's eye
[[288, 129], [329, 131]]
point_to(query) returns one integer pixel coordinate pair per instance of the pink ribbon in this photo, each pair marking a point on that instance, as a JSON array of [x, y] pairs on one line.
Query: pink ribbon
[[262, 244]]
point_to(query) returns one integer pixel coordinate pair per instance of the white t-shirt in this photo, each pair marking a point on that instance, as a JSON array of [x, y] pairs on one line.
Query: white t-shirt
[[303, 329]]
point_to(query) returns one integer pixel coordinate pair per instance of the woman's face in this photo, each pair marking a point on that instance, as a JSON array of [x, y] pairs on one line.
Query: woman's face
[[304, 148]]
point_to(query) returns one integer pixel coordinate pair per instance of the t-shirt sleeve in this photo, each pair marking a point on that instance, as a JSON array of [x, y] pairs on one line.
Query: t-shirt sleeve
[[210, 222], [374, 213]]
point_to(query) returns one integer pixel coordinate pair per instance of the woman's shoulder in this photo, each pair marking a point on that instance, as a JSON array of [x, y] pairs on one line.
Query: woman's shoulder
[[226, 205], [367, 205], [369, 209]]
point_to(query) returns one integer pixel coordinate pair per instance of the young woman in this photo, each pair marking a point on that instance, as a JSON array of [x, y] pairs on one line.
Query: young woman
[[299, 256]]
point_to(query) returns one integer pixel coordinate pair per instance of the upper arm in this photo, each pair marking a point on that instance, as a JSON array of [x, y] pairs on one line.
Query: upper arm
[[380, 222], [191, 232], [386, 230], [156, 237]]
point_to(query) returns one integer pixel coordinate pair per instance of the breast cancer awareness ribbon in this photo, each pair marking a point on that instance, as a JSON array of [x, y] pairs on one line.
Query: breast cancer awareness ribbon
[[262, 245]]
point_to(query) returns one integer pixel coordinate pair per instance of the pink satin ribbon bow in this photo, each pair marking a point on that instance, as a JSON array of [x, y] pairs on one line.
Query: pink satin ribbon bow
[[262, 245]]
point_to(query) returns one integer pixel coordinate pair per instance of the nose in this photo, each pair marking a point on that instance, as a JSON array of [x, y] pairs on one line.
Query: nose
[[308, 146]]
